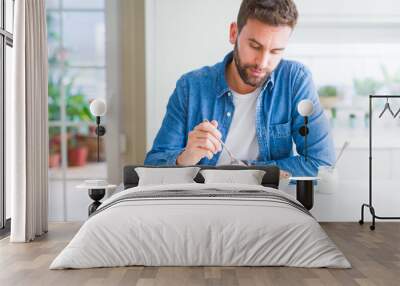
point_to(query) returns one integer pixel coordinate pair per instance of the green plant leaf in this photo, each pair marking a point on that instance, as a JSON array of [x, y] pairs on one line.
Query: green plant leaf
[[328, 91]]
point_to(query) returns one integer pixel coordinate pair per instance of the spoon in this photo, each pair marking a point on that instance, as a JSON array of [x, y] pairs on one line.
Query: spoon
[[234, 160], [345, 145]]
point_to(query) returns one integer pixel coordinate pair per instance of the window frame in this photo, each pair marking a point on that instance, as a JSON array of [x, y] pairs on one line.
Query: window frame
[[6, 39]]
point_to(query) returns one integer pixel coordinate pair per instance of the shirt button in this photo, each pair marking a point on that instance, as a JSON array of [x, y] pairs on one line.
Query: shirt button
[[229, 94], [228, 114]]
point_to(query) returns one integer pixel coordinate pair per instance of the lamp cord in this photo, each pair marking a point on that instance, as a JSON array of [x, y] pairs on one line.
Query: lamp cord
[[305, 137], [98, 145], [98, 138]]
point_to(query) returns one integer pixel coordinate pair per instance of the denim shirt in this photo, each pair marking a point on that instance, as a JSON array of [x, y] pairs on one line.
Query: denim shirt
[[204, 94]]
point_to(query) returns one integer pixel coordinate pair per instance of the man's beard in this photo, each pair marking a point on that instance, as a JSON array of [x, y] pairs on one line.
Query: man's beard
[[244, 73]]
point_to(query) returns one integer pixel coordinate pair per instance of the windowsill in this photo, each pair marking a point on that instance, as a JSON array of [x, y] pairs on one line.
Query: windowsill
[[88, 171]]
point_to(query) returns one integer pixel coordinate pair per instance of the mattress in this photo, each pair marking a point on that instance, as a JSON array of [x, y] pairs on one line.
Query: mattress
[[201, 225]]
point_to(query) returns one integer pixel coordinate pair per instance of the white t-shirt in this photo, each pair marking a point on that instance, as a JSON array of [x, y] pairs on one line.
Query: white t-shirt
[[242, 138]]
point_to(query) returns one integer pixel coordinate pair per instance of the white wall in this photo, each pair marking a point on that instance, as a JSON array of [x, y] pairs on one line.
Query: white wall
[[182, 35]]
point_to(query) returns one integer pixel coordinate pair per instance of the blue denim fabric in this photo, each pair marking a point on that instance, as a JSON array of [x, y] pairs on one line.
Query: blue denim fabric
[[204, 94]]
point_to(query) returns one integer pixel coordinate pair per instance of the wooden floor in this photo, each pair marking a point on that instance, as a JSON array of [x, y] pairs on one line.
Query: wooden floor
[[374, 255]]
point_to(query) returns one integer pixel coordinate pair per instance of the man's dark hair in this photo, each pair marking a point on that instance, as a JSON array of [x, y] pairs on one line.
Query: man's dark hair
[[271, 12]]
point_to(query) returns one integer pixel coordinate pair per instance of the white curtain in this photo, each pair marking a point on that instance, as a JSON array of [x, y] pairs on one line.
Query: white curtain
[[27, 123]]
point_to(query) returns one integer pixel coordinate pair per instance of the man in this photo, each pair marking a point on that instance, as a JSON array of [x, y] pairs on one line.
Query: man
[[249, 101]]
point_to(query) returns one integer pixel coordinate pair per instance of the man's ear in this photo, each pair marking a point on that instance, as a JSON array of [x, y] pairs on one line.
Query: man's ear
[[233, 33]]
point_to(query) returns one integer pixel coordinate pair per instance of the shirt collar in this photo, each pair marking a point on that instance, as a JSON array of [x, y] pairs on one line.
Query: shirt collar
[[222, 84]]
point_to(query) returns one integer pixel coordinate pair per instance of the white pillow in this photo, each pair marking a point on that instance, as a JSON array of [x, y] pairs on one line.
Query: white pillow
[[249, 177], [163, 176]]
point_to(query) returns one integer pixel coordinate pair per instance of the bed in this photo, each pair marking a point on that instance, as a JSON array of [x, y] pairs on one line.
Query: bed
[[198, 224]]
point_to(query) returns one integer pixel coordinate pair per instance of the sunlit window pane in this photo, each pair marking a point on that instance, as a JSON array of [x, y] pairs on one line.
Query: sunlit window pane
[[1, 16], [351, 70], [9, 15], [91, 82], [84, 38], [55, 53], [52, 4], [9, 70], [345, 75], [79, 4]]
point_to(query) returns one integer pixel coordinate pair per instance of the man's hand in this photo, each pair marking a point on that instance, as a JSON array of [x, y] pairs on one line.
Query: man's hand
[[203, 141]]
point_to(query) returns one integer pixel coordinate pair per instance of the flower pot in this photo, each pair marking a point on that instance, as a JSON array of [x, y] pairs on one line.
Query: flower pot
[[54, 160], [91, 143], [328, 102], [77, 156]]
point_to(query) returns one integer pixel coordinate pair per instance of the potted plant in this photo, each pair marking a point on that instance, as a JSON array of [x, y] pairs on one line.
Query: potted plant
[[91, 142], [328, 95], [77, 110], [54, 158], [54, 153], [77, 151], [77, 106], [366, 86], [54, 148]]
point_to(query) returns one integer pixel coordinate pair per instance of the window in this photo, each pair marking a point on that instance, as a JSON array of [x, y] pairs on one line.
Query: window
[[77, 72], [346, 73], [352, 53], [6, 43]]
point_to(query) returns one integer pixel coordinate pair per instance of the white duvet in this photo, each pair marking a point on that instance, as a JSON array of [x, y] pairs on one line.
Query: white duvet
[[185, 231]]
